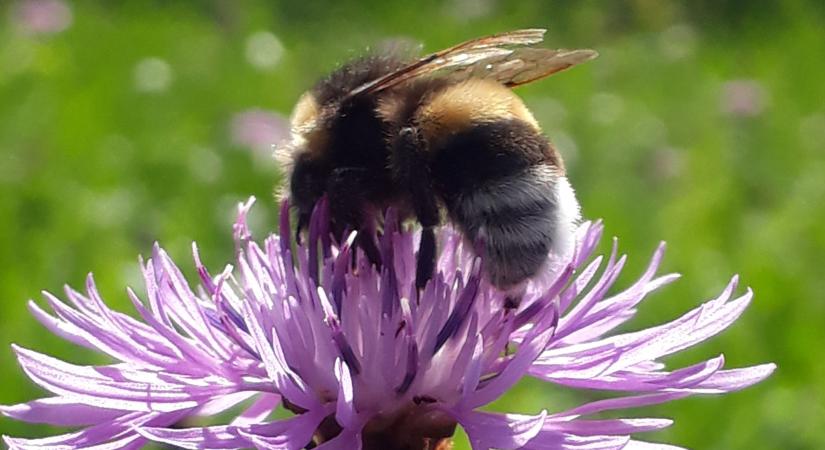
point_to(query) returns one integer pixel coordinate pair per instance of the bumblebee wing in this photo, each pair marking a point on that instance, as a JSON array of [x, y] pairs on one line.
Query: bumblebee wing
[[524, 65], [464, 55]]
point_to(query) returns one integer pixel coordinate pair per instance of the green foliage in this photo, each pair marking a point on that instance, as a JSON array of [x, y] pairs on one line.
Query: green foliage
[[661, 141]]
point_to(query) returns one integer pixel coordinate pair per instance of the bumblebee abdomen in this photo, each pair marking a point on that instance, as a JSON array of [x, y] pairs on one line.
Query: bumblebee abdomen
[[503, 184], [488, 151], [516, 221]]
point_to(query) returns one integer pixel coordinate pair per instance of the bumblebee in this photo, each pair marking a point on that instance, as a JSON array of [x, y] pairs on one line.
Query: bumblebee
[[439, 137]]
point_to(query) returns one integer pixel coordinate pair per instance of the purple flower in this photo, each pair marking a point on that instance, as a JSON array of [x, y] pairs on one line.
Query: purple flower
[[259, 130], [743, 98], [42, 16], [363, 360]]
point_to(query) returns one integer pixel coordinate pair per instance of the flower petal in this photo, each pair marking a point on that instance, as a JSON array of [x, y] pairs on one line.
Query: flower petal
[[502, 431], [639, 445], [215, 437], [582, 427], [286, 381], [116, 387], [289, 434], [259, 410], [345, 413], [59, 411], [551, 440], [114, 434], [527, 353]]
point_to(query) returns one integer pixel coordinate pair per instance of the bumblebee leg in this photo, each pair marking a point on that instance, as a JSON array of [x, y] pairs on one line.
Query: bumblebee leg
[[347, 203], [425, 261], [412, 171], [426, 210]]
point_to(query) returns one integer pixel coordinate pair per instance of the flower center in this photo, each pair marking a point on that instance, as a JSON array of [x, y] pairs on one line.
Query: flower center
[[419, 426]]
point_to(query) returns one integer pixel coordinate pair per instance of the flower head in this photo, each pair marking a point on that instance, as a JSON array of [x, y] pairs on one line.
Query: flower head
[[259, 130], [743, 98], [42, 16], [363, 359]]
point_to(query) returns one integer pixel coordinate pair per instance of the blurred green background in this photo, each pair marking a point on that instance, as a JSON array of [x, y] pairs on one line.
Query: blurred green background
[[702, 124]]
